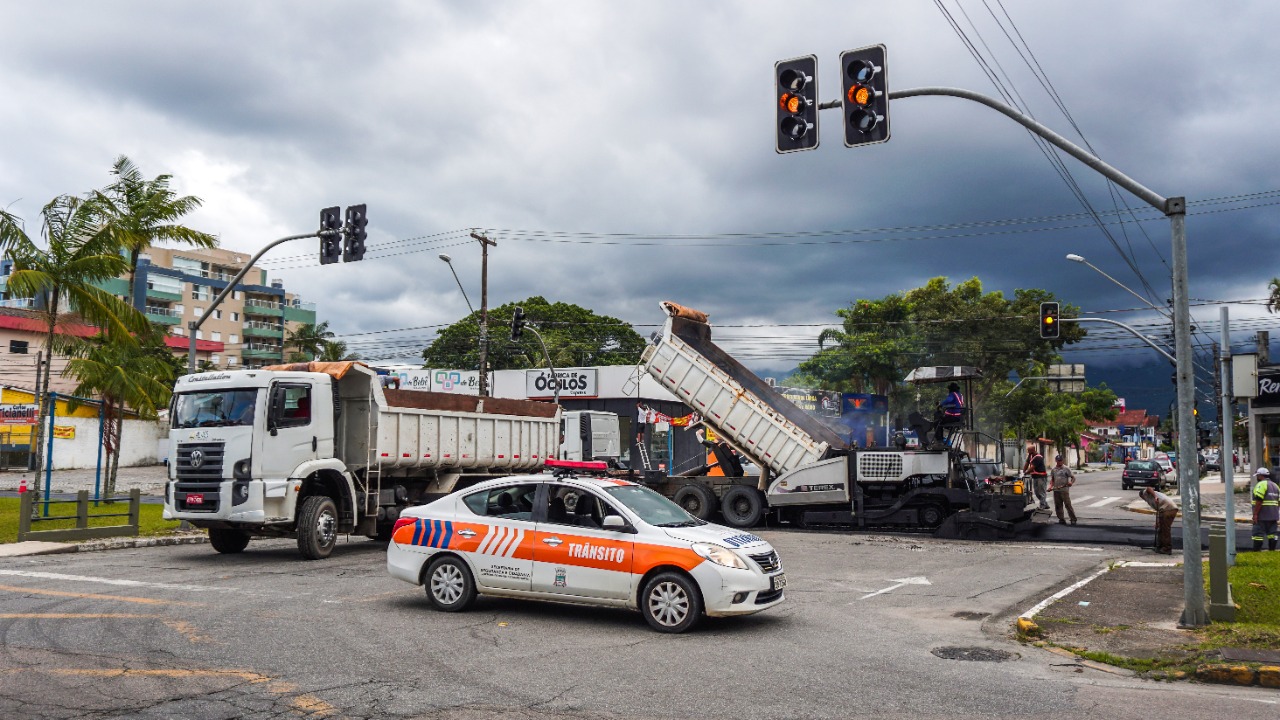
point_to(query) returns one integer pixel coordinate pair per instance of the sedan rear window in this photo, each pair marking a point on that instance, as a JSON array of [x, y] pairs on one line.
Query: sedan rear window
[[1145, 465]]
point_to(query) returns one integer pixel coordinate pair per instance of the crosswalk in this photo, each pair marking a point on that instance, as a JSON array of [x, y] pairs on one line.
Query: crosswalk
[[1080, 501]]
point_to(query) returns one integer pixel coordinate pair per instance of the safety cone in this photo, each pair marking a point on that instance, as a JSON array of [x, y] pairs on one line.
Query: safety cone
[[22, 487]]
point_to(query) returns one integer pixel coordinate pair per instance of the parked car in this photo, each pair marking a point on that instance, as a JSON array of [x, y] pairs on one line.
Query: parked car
[[586, 540], [1166, 461], [1211, 461], [1147, 473]]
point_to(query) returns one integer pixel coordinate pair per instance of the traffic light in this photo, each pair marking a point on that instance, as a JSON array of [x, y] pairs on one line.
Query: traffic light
[[517, 324], [795, 85], [864, 100], [353, 243], [330, 232], [1049, 325]]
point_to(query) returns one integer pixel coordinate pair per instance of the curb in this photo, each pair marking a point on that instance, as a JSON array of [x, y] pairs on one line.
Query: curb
[[1266, 676], [141, 542]]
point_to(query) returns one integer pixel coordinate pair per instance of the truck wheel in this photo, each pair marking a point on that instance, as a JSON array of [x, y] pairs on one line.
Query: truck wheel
[[228, 542], [931, 515], [671, 602], [742, 506], [697, 500], [317, 527], [449, 584]]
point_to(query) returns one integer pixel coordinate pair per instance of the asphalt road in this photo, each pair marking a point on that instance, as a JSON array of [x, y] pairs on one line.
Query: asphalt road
[[184, 632]]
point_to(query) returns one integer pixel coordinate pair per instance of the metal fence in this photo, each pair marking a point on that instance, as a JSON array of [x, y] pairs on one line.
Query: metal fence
[[81, 531]]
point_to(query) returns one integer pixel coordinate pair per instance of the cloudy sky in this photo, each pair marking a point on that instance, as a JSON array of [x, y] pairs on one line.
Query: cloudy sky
[[623, 153]]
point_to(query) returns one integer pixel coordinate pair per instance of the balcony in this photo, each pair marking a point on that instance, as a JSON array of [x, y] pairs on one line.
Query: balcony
[[255, 351], [254, 328], [163, 315], [18, 303], [263, 307]]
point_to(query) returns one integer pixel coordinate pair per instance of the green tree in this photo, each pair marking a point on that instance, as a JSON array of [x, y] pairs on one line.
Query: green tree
[[63, 277], [575, 337], [880, 341], [140, 212], [308, 341], [334, 351], [124, 375]]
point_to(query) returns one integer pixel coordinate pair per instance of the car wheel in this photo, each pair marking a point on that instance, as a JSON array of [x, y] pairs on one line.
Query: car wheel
[[228, 542], [697, 500], [671, 602], [1126, 486], [317, 527], [742, 507], [449, 584]]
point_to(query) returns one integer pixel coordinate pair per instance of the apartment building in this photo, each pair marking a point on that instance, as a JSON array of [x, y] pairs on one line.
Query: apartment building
[[176, 286]]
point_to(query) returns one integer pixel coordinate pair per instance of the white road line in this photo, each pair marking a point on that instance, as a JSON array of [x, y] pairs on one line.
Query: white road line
[[1083, 499], [1103, 501], [114, 581], [1061, 594]]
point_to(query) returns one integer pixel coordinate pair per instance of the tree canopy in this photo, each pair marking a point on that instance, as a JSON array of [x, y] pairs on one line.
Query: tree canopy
[[575, 337], [880, 341]]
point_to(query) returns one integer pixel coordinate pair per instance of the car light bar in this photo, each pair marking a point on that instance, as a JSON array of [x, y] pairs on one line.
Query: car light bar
[[577, 464]]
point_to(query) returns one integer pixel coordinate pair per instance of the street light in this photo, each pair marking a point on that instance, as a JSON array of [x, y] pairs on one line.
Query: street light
[[1080, 259], [449, 261]]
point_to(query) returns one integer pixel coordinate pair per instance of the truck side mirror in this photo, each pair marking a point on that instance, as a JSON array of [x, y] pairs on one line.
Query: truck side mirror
[[273, 408]]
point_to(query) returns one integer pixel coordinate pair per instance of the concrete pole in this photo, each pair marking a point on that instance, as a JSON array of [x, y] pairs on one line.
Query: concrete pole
[[484, 312], [1195, 613], [1226, 420]]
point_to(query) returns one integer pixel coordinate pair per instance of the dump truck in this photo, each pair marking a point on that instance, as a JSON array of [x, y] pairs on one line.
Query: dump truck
[[315, 450], [808, 472]]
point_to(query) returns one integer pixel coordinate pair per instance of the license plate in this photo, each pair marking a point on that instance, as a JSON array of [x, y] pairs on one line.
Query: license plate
[[779, 581], [195, 498]]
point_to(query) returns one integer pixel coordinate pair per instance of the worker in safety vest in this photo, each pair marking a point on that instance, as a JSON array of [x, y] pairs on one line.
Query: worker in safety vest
[[1266, 509], [1039, 475], [1166, 510]]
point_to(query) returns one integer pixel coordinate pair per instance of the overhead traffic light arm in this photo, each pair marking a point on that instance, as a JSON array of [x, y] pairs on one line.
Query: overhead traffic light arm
[[1135, 333]]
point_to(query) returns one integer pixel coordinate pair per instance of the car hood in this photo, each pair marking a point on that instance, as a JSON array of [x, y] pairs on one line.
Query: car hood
[[719, 535]]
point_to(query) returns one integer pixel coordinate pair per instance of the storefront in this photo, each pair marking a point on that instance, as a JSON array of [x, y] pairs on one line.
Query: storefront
[[1264, 420]]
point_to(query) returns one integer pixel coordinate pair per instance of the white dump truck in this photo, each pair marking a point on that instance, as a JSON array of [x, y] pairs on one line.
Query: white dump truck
[[808, 471], [316, 450]]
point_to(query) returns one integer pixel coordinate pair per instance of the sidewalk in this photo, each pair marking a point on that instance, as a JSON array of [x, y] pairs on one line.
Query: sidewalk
[[1213, 499]]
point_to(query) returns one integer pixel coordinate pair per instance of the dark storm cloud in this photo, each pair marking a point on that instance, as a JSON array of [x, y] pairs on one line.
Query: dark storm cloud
[[629, 123]]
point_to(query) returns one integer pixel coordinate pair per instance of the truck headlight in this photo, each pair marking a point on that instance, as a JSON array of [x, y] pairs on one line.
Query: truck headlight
[[239, 492], [720, 555], [243, 469]]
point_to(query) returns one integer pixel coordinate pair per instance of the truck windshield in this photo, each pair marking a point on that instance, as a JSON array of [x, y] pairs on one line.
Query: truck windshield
[[652, 507], [214, 408]]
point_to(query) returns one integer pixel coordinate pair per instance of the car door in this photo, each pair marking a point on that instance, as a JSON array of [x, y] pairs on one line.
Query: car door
[[292, 431], [574, 555], [503, 557]]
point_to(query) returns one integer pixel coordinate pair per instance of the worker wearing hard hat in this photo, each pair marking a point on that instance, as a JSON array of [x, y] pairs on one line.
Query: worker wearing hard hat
[[1266, 509]]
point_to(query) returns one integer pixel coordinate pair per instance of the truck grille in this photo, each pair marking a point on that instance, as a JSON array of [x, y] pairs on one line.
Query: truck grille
[[200, 461], [768, 562]]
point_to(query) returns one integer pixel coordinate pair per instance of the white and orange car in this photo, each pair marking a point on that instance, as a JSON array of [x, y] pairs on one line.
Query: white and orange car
[[573, 538]]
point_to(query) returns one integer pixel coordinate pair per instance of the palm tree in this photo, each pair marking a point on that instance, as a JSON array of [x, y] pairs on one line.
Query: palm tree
[[1273, 302], [336, 350], [309, 339], [122, 375], [62, 277], [141, 212]]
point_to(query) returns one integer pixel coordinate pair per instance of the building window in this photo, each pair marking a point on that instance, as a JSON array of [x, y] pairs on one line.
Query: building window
[[179, 309], [215, 359], [177, 330], [217, 314], [235, 317], [198, 311], [199, 334], [216, 335], [235, 294], [232, 360], [233, 338], [18, 347]]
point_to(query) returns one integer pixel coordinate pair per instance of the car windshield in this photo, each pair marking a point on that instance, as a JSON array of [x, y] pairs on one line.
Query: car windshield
[[1142, 465], [214, 408], [652, 507]]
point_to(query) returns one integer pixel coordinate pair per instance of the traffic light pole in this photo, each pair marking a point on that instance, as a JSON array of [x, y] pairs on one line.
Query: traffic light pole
[[1226, 448], [1195, 612], [484, 312], [194, 325]]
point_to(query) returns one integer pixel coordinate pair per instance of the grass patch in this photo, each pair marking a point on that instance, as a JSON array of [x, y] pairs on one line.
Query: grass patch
[[1255, 587], [1139, 665], [149, 520]]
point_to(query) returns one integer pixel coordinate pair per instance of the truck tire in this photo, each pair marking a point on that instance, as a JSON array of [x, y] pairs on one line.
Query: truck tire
[[449, 584], [697, 500], [931, 514], [228, 542], [671, 602], [742, 506], [317, 527]]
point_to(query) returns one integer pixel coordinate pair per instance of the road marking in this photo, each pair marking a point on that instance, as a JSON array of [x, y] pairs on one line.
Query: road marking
[[113, 581], [1061, 594], [1085, 498], [1066, 547], [900, 582], [1103, 501], [92, 596]]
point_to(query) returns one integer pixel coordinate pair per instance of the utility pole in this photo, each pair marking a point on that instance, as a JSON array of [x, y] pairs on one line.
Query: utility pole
[[1226, 421], [484, 312]]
